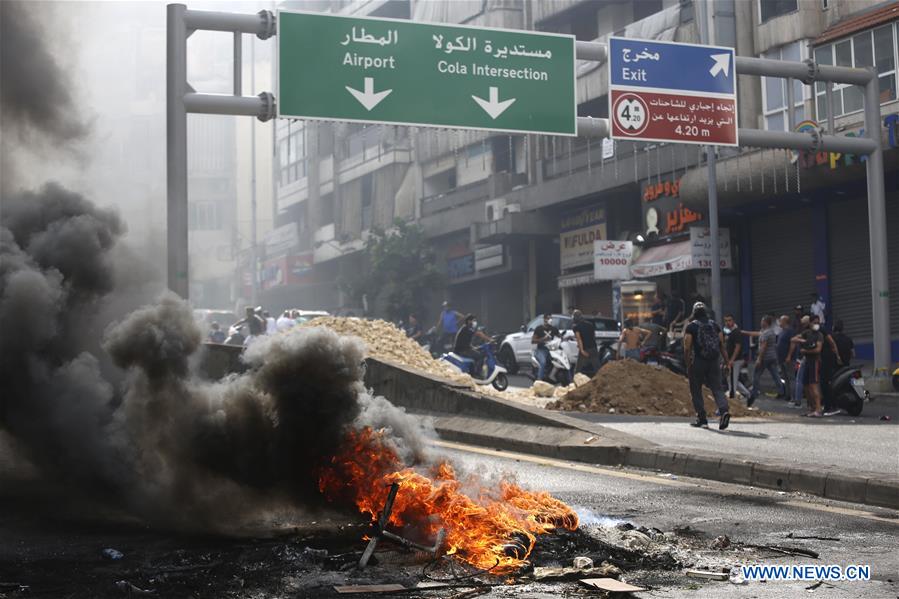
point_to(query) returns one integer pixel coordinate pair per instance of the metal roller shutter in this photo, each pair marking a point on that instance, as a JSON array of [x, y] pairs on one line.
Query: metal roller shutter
[[783, 268], [850, 265], [594, 299]]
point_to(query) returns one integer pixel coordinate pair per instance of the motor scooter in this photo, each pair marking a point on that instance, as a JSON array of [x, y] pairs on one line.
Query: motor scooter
[[491, 371], [558, 370], [650, 354], [847, 387]]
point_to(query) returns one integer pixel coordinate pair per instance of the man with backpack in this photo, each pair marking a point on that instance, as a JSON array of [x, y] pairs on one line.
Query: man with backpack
[[703, 344]]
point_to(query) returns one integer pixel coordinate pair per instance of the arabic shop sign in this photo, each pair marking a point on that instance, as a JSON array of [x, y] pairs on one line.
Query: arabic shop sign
[[401, 72], [612, 260], [810, 159], [668, 216], [579, 230], [701, 247], [670, 189]]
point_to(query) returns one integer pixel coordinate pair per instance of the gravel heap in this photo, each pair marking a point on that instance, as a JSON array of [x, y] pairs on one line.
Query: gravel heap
[[387, 342], [629, 387]]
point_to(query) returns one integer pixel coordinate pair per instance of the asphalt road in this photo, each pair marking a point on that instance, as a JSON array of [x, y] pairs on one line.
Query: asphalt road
[[746, 515]]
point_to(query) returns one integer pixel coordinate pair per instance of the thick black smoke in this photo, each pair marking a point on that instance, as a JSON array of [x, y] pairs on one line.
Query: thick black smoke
[[35, 92], [99, 395]]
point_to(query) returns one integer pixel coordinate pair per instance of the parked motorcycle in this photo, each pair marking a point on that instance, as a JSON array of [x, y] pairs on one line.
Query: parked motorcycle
[[672, 361], [558, 370], [491, 372], [847, 387], [896, 379]]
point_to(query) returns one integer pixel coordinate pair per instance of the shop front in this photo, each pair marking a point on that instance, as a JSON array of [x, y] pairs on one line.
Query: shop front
[[579, 229]]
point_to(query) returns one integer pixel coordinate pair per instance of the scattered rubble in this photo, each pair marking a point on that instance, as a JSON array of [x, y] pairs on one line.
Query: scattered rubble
[[629, 387]]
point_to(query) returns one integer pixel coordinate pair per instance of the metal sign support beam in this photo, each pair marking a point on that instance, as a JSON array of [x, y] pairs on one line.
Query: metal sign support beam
[[181, 99]]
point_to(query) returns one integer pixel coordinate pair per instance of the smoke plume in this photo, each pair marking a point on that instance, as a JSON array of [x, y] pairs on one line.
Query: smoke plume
[[98, 387]]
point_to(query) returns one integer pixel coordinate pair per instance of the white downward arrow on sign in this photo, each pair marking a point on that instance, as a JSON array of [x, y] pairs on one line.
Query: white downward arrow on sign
[[493, 107], [368, 98], [722, 63]]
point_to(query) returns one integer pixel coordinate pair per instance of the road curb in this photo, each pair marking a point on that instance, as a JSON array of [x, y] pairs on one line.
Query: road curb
[[865, 488]]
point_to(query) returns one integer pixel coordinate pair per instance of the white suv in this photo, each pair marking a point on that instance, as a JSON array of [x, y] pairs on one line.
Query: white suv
[[516, 348]]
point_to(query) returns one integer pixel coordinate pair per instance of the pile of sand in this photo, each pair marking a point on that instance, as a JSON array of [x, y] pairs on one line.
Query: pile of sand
[[629, 387], [387, 342]]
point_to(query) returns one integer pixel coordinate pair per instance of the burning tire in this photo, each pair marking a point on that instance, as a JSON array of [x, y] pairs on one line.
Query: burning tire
[[501, 382]]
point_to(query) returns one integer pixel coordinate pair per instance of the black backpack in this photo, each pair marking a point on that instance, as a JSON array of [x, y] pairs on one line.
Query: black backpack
[[708, 345]]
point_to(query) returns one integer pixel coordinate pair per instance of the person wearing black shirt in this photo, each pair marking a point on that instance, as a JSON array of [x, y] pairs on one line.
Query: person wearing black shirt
[[413, 329], [542, 334], [845, 346], [588, 354], [658, 310], [703, 344], [674, 310], [811, 342], [254, 323], [463, 346]]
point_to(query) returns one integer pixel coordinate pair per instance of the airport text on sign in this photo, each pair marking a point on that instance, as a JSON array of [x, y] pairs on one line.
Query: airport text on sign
[[400, 72]]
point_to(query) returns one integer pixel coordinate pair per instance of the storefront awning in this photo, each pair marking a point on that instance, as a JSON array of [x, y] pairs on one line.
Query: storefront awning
[[663, 259]]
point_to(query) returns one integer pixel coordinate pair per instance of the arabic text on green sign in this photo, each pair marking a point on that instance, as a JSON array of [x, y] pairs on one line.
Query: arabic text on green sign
[[403, 72]]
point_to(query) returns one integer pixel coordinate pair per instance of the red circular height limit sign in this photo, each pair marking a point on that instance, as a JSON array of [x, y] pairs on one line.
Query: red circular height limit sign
[[631, 114]]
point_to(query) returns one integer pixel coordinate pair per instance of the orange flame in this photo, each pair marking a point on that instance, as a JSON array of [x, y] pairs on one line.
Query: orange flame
[[490, 528]]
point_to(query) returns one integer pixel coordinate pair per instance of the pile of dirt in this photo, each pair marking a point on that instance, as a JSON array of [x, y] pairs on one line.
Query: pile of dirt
[[387, 342], [629, 387]]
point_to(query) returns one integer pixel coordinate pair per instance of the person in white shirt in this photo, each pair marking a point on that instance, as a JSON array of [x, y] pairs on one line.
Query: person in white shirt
[[270, 326], [818, 307], [284, 321]]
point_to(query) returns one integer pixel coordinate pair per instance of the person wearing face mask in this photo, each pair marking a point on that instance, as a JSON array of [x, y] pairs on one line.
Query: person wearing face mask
[[810, 342], [463, 345], [542, 334]]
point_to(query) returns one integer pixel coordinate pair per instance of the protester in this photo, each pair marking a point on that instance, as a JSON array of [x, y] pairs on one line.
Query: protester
[[463, 345], [448, 325], [703, 344], [658, 310], [795, 343], [542, 334], [798, 314], [235, 336], [830, 361], [253, 322], [284, 321], [733, 339], [674, 312], [271, 327], [810, 343], [630, 339], [766, 361], [413, 328], [216, 334], [845, 345], [785, 357], [818, 307], [588, 353]]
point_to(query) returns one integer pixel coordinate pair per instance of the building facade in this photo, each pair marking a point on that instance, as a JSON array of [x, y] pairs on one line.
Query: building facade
[[513, 217]]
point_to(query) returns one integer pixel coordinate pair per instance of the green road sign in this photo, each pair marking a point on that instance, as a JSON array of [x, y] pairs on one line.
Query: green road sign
[[406, 73]]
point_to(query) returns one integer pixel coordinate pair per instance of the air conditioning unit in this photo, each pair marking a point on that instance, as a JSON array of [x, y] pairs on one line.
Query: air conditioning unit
[[493, 209], [510, 208]]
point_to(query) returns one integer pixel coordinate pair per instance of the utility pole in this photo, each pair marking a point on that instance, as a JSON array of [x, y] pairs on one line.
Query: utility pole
[[707, 36], [254, 252]]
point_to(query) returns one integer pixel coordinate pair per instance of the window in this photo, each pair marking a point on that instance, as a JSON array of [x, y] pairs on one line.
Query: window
[[774, 90], [875, 48], [292, 156], [768, 9], [204, 216]]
